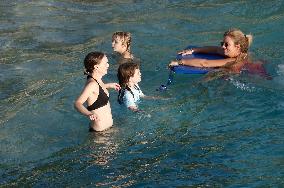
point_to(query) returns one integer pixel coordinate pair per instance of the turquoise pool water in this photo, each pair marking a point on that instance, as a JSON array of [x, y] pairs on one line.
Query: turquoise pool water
[[222, 133]]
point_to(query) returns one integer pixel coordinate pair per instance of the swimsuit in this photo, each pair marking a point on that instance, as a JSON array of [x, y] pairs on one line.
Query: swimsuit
[[130, 97], [102, 99]]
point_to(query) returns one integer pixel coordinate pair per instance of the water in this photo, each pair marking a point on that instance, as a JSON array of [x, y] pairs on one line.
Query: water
[[221, 133]]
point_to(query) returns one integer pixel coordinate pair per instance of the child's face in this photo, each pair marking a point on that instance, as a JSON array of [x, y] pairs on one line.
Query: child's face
[[118, 46], [136, 78]]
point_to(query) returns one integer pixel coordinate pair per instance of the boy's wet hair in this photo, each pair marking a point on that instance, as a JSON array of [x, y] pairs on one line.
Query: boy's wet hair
[[125, 71], [125, 37], [92, 59]]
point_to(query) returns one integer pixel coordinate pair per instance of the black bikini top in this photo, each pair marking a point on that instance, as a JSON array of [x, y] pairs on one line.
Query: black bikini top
[[102, 99]]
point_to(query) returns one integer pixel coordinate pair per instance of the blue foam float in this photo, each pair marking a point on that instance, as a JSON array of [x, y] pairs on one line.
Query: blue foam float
[[182, 69]]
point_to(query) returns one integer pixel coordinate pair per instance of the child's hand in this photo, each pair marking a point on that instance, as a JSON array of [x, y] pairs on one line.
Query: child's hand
[[134, 109]]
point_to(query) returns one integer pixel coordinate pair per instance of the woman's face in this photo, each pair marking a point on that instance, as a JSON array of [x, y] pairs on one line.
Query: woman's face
[[102, 67], [230, 48], [136, 78], [118, 46]]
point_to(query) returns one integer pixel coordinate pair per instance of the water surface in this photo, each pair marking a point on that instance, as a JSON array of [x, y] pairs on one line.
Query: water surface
[[215, 134]]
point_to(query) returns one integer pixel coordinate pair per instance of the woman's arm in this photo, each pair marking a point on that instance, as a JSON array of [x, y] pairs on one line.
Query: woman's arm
[[206, 50], [206, 62], [202, 62], [89, 89], [115, 86]]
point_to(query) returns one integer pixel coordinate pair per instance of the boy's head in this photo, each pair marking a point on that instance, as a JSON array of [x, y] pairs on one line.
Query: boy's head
[[128, 72], [121, 41]]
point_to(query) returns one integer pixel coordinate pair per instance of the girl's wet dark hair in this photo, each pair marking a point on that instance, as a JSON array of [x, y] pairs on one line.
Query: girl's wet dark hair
[[244, 41], [125, 71], [92, 59]]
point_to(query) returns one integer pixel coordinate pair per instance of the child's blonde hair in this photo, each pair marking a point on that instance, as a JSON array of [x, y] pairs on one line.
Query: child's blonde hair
[[125, 37]]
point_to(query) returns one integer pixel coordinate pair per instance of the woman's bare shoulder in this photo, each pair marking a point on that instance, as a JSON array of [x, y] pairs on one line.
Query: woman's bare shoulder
[[91, 86]]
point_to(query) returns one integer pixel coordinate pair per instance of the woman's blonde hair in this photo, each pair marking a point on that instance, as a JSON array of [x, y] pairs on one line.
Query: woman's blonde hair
[[244, 41], [240, 38], [125, 37]]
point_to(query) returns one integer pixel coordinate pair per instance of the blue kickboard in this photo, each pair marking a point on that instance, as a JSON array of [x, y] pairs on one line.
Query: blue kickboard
[[181, 69]]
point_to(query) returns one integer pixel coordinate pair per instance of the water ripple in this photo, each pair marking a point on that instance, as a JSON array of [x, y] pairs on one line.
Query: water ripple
[[220, 133]]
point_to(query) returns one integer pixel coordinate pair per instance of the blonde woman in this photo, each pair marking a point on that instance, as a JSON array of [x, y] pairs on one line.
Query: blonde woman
[[234, 48]]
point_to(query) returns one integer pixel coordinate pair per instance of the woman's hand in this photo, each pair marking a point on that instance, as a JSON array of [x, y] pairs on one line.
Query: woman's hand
[[173, 63], [186, 52], [115, 86], [94, 117]]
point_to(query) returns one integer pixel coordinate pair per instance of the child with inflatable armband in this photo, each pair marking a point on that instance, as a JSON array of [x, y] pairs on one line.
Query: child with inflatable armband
[[121, 43]]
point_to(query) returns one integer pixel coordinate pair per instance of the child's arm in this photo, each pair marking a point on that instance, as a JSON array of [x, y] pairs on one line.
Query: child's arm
[[155, 97], [152, 97]]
